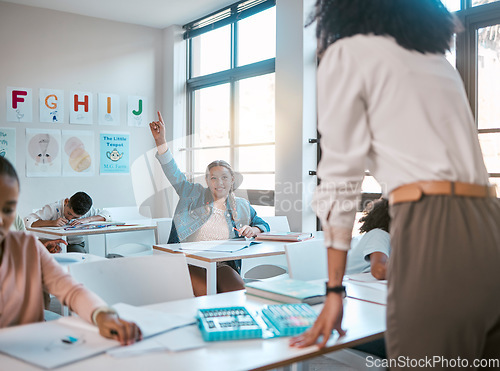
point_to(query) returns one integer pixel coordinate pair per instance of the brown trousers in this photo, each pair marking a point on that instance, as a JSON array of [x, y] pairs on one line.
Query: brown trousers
[[444, 281]]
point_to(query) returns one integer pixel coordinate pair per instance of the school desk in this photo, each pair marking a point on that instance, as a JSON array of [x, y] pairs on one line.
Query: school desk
[[363, 321], [96, 236]]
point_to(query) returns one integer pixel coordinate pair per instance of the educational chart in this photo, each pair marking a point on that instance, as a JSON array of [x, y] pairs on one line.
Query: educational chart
[[81, 108], [78, 153], [19, 105], [108, 109], [52, 106], [8, 144], [136, 111], [114, 153], [43, 147]]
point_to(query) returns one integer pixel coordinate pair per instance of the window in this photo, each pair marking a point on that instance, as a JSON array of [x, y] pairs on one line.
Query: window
[[230, 95]]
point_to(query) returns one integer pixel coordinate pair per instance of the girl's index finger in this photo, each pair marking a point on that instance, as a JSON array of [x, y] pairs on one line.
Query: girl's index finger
[[160, 118]]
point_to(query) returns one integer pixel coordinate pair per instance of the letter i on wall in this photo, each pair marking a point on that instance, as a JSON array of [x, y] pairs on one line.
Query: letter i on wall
[[52, 106], [19, 105], [108, 109], [137, 111], [81, 107]]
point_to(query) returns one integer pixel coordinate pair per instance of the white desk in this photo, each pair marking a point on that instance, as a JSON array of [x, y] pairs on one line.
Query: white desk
[[98, 233], [209, 259], [363, 321]]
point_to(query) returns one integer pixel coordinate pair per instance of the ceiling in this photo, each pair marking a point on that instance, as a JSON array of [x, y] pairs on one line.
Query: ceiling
[[151, 13]]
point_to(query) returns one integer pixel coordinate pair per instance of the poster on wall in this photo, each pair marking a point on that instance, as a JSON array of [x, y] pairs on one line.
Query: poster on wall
[[43, 152], [114, 153], [19, 105], [81, 107], [78, 153], [52, 106], [136, 111], [8, 144], [108, 109]]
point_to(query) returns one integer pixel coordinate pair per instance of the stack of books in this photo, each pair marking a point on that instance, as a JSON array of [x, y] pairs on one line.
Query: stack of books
[[284, 236]]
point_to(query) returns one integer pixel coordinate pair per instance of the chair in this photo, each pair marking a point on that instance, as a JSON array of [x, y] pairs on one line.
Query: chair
[[307, 260], [136, 280]]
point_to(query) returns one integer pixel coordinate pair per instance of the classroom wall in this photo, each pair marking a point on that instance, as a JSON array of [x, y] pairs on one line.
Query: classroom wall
[[42, 48]]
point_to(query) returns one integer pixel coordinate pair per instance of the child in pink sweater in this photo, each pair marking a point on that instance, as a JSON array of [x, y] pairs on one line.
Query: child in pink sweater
[[26, 267]]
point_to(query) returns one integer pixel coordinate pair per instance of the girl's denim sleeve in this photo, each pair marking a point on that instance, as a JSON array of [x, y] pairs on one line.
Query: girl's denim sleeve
[[176, 177], [258, 222]]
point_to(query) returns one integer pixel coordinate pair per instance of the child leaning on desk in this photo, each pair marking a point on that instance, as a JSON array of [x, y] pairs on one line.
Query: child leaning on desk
[[26, 266], [207, 214], [72, 211]]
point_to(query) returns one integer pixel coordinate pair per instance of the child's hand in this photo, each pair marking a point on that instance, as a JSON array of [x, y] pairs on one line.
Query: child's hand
[[110, 326], [60, 222], [158, 130], [53, 245], [247, 231]]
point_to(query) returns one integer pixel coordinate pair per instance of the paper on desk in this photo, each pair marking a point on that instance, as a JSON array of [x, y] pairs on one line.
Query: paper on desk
[[366, 279], [188, 337], [217, 246], [54, 343], [152, 322]]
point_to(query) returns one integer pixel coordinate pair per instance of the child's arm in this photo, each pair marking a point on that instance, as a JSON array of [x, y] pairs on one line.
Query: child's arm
[[378, 265], [59, 222], [88, 219]]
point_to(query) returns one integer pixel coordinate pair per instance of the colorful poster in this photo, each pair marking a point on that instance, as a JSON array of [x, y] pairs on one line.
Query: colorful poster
[[52, 106], [8, 144], [136, 111], [81, 108], [114, 157], [43, 152], [19, 105], [78, 153], [109, 109]]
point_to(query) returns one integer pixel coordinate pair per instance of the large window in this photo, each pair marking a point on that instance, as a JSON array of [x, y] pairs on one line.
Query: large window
[[230, 88]]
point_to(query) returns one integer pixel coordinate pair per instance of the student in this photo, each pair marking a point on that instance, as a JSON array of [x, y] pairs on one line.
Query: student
[[205, 214], [73, 211], [370, 251], [26, 266], [389, 101]]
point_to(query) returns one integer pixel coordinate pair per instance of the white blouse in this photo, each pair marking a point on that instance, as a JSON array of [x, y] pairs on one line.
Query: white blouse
[[401, 114]]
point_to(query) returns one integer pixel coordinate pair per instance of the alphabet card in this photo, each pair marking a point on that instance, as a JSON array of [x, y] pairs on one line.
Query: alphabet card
[[115, 157], [81, 108], [52, 106], [19, 105], [43, 152], [109, 109], [136, 112], [78, 153]]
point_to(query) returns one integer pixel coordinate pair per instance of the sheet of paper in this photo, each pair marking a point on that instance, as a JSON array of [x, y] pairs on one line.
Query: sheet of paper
[[364, 277], [150, 321], [54, 343], [217, 246]]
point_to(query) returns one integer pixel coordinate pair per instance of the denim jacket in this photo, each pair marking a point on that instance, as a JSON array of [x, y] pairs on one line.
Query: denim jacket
[[196, 203]]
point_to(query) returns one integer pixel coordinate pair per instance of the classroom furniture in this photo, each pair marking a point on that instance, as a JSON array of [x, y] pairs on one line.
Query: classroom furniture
[[136, 280], [363, 321], [97, 244], [307, 260]]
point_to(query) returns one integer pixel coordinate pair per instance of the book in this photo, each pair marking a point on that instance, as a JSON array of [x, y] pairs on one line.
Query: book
[[284, 236], [288, 291]]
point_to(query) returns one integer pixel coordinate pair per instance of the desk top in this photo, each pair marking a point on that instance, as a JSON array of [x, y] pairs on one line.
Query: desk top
[[363, 321], [265, 248], [61, 232]]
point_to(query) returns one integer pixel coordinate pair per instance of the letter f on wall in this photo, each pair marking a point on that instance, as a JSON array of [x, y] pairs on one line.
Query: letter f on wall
[[16, 97], [137, 113]]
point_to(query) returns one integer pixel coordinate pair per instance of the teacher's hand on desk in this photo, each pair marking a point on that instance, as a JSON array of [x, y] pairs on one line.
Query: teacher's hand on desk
[[328, 320], [112, 327]]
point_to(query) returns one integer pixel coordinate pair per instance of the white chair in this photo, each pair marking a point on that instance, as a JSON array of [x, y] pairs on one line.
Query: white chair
[[137, 280], [278, 223], [307, 260]]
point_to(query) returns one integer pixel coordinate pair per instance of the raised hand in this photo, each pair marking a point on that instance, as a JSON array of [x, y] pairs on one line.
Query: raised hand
[[158, 130]]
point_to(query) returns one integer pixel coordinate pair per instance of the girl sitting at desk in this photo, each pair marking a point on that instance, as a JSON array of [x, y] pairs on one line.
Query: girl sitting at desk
[[205, 214], [26, 266]]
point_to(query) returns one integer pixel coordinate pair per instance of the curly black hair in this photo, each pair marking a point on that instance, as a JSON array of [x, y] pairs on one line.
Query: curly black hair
[[376, 215], [422, 25], [80, 202]]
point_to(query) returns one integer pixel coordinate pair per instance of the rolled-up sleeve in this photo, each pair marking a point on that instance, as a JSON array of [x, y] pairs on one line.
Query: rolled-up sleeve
[[45, 213], [345, 143]]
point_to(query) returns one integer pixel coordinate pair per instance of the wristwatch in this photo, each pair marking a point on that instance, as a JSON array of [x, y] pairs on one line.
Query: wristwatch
[[335, 289]]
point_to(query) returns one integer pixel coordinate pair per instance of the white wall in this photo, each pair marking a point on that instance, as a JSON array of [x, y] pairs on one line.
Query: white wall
[[295, 113], [49, 49]]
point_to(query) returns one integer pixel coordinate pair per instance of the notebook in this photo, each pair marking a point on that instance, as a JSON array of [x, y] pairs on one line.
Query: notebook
[[283, 236], [288, 291]]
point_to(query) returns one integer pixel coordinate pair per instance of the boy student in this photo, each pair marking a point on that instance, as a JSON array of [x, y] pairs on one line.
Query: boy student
[[73, 211]]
